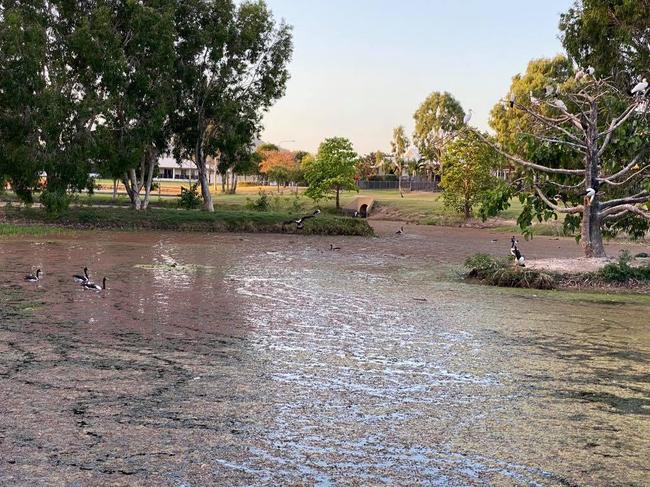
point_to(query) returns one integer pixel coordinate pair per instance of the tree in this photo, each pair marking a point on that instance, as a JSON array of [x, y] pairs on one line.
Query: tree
[[278, 166], [600, 127], [399, 146], [610, 35], [48, 104], [131, 51], [332, 170], [232, 60], [437, 120], [468, 177]]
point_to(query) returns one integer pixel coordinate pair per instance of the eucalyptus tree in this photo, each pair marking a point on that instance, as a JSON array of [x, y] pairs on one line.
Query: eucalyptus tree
[[231, 58], [601, 183], [437, 121], [131, 53], [609, 35]]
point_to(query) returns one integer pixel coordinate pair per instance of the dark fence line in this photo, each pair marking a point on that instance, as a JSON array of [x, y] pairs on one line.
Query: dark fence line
[[406, 186]]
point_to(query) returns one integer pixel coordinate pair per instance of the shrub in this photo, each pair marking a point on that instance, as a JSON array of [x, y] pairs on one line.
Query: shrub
[[622, 271], [55, 202], [190, 199], [262, 203]]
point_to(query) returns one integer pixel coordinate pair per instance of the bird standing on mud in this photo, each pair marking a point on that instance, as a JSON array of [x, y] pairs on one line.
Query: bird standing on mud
[[400, 231], [514, 250], [300, 222]]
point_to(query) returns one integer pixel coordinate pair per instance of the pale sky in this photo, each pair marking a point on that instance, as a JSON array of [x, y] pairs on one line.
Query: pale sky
[[362, 67]]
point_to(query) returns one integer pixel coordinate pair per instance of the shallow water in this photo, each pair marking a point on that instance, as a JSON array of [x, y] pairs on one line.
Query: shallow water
[[269, 360]]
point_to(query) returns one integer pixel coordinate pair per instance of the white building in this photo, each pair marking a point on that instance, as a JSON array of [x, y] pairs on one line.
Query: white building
[[170, 170]]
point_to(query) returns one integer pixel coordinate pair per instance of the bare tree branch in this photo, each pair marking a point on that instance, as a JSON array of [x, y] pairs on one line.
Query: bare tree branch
[[559, 209], [553, 123], [641, 197], [625, 170], [618, 210], [616, 123], [525, 163]]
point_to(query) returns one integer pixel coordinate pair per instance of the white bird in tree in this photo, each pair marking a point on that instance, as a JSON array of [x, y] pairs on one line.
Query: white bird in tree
[[533, 100], [512, 100], [468, 117], [549, 90], [580, 74], [590, 194], [559, 104], [640, 87], [591, 71]]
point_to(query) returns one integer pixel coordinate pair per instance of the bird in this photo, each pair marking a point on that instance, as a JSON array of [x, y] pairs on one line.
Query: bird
[[400, 231], [95, 287], [640, 87], [549, 90], [590, 194], [591, 71], [519, 259], [468, 117], [81, 279], [533, 100], [580, 74], [332, 247], [34, 277], [559, 199], [300, 222], [512, 100], [559, 104]]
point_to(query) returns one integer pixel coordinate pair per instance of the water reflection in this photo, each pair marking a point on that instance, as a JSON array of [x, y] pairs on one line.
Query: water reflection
[[269, 360]]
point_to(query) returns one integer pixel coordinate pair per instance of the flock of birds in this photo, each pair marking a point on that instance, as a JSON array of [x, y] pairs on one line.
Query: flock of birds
[[83, 279]]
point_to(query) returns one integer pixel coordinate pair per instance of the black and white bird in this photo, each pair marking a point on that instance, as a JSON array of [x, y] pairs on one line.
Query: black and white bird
[[95, 287], [400, 231], [559, 198], [34, 277], [332, 247], [512, 100], [300, 222], [80, 279], [640, 87], [533, 100], [591, 71], [468, 117], [514, 250], [590, 194]]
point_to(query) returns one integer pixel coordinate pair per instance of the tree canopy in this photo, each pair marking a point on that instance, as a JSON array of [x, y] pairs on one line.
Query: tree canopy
[[332, 170]]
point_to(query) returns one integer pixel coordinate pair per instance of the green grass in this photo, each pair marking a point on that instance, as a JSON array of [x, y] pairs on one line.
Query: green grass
[[10, 230], [222, 220]]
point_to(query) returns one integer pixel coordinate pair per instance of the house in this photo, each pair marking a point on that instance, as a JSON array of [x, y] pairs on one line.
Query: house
[[170, 170]]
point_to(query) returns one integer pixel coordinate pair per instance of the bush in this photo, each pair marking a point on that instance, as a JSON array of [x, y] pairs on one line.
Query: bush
[[55, 202], [622, 271], [190, 199], [385, 177], [262, 203]]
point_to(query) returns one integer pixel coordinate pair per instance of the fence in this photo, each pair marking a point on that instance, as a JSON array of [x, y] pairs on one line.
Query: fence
[[413, 186]]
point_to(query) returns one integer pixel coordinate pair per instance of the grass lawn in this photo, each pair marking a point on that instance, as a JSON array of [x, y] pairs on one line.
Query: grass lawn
[[222, 220], [10, 230]]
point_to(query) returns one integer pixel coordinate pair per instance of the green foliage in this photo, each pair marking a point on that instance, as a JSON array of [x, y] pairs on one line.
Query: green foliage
[[495, 200], [332, 170], [262, 203], [610, 35], [55, 201], [622, 271], [190, 199], [436, 119], [467, 180], [191, 221]]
